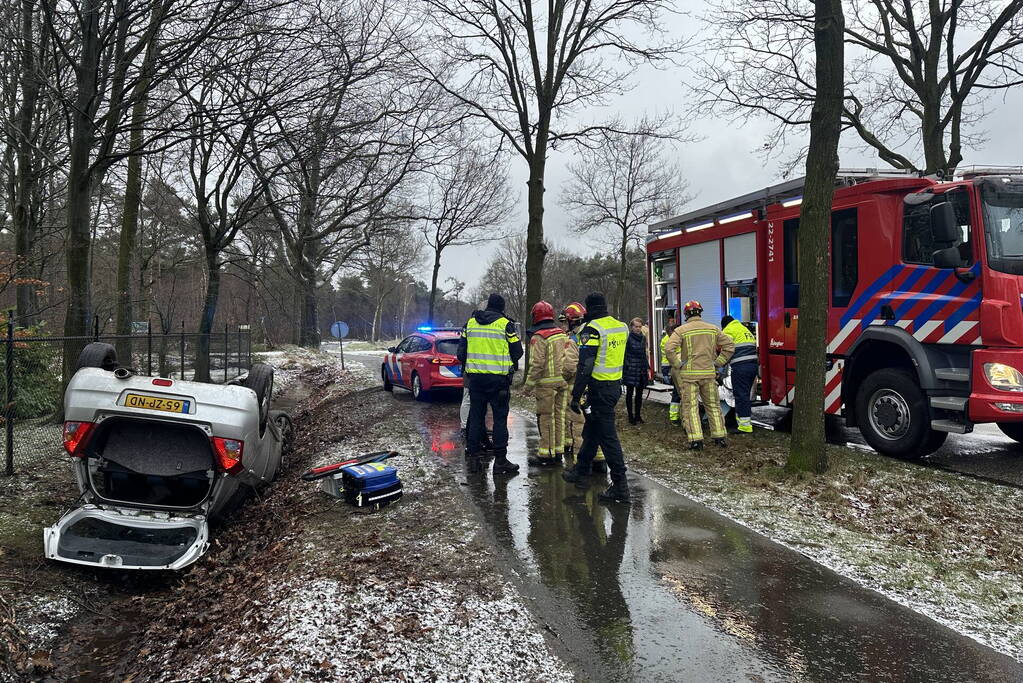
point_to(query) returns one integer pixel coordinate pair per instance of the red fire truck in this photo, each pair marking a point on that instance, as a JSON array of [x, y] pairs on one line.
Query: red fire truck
[[925, 318]]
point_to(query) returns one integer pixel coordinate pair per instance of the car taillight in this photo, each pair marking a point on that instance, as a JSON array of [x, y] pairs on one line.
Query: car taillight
[[229, 454], [76, 434]]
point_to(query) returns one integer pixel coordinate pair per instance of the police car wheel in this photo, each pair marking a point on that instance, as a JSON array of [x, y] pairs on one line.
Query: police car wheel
[[418, 392], [387, 380]]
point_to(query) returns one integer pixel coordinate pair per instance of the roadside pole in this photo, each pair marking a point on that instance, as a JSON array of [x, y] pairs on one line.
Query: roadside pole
[[9, 398]]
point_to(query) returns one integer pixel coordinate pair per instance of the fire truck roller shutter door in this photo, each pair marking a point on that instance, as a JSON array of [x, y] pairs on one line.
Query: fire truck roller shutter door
[[741, 258], [700, 276]]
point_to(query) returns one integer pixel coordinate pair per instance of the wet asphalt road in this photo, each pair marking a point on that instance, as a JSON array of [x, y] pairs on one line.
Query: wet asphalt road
[[668, 590]]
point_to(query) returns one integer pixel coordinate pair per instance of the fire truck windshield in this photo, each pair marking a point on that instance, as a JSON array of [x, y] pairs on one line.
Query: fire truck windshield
[[1003, 224]]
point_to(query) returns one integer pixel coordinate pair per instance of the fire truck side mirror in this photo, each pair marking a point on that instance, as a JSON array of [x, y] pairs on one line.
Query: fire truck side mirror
[[948, 258], [944, 225]]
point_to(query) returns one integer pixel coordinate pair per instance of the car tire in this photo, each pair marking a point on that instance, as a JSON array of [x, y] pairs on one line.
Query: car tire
[[1013, 430], [387, 380], [894, 416], [261, 380], [418, 392], [97, 355], [287, 431]]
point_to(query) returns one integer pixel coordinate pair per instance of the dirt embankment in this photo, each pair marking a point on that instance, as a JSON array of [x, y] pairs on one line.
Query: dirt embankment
[[299, 586]]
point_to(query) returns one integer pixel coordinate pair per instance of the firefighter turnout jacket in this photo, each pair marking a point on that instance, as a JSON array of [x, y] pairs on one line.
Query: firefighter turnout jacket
[[696, 349], [745, 343], [553, 357]]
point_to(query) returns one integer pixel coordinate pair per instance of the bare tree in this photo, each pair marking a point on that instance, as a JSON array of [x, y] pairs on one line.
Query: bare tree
[[919, 73], [525, 68], [384, 263], [620, 186], [345, 155], [467, 201], [806, 449], [506, 274]]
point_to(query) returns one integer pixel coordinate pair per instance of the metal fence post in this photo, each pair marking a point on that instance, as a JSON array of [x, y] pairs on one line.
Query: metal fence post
[[239, 349], [95, 327], [9, 398], [182, 349], [227, 347], [149, 349]]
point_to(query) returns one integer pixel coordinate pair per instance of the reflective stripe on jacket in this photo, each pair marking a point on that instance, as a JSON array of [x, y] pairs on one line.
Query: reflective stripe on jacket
[[552, 358], [486, 349], [610, 340], [696, 349], [745, 342]]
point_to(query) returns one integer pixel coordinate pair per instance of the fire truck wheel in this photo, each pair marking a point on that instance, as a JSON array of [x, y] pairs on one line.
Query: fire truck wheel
[[893, 415], [1013, 430]]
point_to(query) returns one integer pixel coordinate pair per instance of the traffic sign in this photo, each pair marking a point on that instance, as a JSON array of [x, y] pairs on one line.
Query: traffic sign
[[339, 330]]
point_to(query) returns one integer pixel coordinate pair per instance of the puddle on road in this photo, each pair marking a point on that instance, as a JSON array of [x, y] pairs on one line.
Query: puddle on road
[[666, 589]]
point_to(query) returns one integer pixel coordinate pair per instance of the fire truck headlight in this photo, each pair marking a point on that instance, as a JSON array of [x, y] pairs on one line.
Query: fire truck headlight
[[1004, 377]]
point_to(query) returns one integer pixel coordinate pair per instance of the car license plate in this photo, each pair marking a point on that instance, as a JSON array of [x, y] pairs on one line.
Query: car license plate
[[168, 405]]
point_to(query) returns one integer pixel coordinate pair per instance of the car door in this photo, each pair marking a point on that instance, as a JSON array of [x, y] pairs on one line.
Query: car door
[[412, 357], [394, 360]]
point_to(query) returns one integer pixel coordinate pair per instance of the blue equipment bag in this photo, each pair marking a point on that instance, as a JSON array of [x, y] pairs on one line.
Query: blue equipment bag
[[371, 484]]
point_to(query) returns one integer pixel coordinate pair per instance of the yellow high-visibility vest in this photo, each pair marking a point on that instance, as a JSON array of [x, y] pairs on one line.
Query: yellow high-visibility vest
[[611, 351], [486, 347]]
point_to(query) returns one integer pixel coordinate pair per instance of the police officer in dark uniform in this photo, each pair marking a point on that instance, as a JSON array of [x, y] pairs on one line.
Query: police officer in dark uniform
[[601, 358]]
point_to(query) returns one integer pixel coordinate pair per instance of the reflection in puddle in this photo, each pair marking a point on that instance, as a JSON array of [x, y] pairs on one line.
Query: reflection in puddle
[[666, 589]]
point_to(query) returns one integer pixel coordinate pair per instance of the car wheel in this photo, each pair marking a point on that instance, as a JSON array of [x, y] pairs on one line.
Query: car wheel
[[287, 430], [387, 380], [418, 392], [261, 380], [894, 416], [97, 355], [1013, 430]]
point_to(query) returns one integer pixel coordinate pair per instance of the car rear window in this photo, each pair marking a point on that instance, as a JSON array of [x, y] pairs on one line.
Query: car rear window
[[448, 346]]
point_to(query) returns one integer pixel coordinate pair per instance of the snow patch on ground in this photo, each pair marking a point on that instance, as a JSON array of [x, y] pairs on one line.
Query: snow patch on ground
[[909, 581], [323, 628]]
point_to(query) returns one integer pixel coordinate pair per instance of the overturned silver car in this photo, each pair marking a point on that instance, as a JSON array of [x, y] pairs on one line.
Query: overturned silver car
[[156, 459]]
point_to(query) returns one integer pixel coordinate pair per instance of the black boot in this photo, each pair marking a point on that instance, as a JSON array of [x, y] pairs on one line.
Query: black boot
[[502, 465], [537, 461], [721, 443], [486, 443], [573, 475], [696, 445], [569, 451], [617, 492], [632, 418]]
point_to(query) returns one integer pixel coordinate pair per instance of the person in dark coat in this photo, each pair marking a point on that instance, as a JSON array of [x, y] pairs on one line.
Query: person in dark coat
[[636, 371]]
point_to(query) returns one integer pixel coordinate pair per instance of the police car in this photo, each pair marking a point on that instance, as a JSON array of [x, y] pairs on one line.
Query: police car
[[424, 362]]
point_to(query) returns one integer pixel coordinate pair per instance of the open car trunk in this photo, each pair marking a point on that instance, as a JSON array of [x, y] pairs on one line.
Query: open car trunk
[[123, 538], [150, 463]]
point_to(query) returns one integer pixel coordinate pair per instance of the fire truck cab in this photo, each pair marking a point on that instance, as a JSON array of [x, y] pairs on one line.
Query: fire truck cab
[[925, 315]]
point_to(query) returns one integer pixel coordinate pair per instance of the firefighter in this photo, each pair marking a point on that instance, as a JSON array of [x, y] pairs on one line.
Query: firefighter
[[599, 376], [463, 410], [673, 415], [573, 317], [489, 351], [552, 362], [743, 367], [696, 350]]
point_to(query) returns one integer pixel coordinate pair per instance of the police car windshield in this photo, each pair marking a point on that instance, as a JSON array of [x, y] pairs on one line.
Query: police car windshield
[[448, 346], [1003, 223]]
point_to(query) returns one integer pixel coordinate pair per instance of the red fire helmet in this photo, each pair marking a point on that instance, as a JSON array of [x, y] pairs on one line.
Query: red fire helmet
[[542, 311]]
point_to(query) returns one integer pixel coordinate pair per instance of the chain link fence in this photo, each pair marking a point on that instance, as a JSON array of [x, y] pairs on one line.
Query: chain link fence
[[32, 382]]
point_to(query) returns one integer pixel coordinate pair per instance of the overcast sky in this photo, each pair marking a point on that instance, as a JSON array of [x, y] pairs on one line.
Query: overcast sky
[[722, 163]]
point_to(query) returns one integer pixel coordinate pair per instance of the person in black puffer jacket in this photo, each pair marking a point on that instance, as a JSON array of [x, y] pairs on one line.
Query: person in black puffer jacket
[[636, 372]]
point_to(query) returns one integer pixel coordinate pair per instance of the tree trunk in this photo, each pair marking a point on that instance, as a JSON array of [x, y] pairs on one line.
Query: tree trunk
[[536, 249], [935, 159], [310, 330], [433, 285], [209, 312], [129, 230], [620, 294], [24, 230], [375, 335], [806, 451], [132, 199], [79, 303]]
